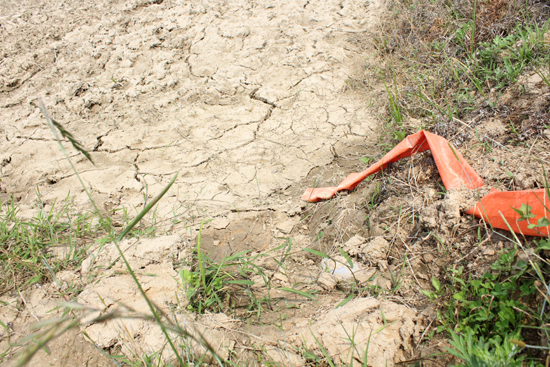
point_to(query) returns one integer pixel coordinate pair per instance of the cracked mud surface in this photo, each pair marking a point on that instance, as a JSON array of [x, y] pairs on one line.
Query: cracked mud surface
[[243, 98]]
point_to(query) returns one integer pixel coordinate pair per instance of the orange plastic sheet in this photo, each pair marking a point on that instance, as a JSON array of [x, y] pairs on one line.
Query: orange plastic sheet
[[496, 207]]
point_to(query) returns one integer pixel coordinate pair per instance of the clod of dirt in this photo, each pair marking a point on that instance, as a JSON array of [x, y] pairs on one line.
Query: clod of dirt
[[139, 253], [327, 281], [444, 216], [373, 252], [388, 341]]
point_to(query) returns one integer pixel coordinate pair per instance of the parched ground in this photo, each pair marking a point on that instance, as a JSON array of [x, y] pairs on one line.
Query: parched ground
[[243, 98], [248, 101]]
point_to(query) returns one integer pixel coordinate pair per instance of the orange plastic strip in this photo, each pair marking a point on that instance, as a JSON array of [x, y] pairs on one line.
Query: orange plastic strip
[[496, 202], [455, 173], [454, 170]]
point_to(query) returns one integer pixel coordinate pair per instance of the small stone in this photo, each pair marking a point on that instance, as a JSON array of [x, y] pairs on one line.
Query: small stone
[[220, 223], [327, 281], [286, 227], [489, 251]]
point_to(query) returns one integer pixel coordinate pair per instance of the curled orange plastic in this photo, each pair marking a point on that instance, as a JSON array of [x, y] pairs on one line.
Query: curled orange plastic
[[497, 208]]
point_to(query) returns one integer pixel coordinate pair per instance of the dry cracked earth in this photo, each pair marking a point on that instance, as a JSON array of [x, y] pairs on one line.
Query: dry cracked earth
[[244, 99]]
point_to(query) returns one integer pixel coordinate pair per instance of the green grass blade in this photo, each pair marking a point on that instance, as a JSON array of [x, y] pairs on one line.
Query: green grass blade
[[346, 256], [346, 300], [301, 293], [315, 252], [54, 131], [199, 255], [146, 209], [323, 350], [64, 133]]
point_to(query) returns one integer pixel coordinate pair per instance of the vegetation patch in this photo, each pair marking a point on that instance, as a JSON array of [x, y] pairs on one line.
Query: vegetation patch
[[476, 73]]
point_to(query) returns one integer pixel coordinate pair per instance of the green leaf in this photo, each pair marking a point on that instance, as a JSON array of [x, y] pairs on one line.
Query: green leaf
[[507, 314], [34, 279], [384, 326], [189, 276], [543, 245], [459, 296], [315, 252], [366, 160], [348, 259], [436, 285], [346, 300], [524, 212], [322, 349], [399, 135], [234, 256], [319, 235], [543, 222], [431, 295]]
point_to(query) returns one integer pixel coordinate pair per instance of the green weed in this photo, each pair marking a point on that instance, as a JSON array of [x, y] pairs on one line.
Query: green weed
[[215, 287], [488, 317], [25, 244], [453, 64]]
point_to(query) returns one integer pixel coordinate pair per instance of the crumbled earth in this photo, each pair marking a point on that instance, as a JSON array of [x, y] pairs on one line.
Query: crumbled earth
[[392, 326]]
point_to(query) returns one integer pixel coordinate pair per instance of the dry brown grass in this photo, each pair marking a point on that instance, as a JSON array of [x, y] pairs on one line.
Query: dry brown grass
[[441, 66]]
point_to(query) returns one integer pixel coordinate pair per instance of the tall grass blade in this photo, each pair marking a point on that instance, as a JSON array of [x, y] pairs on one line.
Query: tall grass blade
[[199, 255], [53, 127], [146, 209], [153, 309], [315, 252], [301, 293], [323, 350]]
